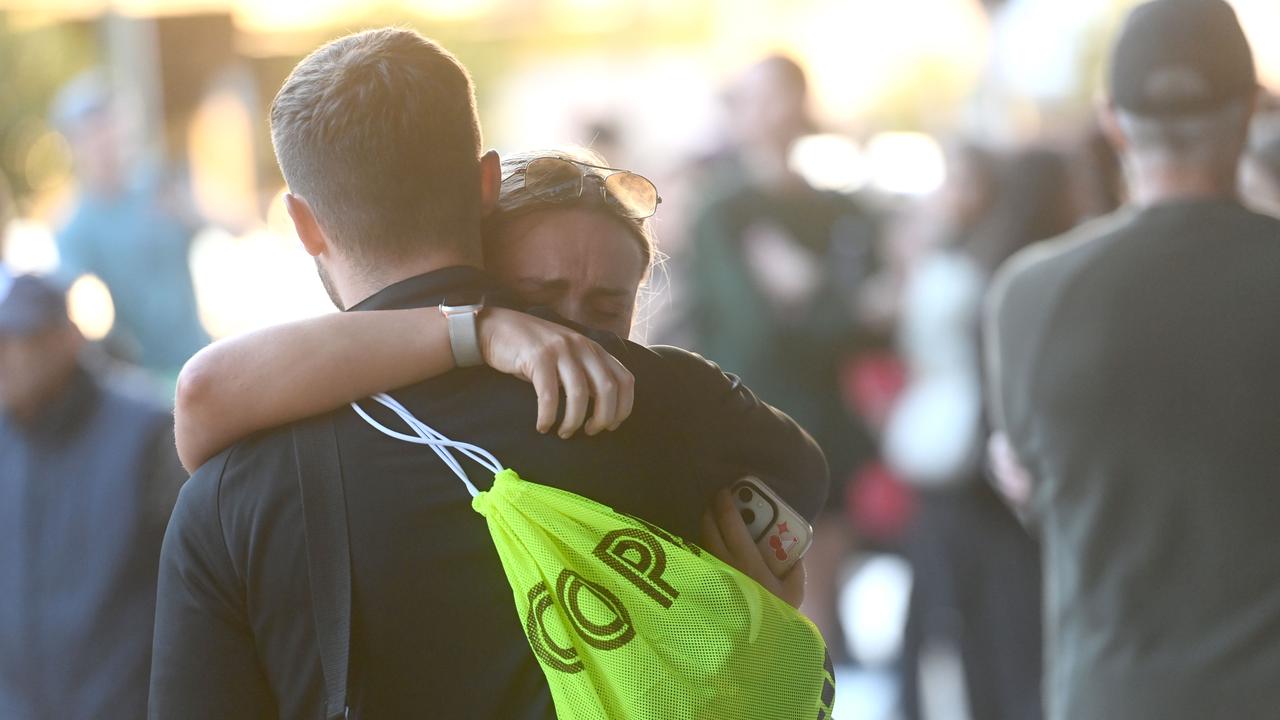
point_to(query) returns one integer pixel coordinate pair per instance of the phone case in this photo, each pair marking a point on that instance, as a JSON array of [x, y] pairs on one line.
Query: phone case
[[780, 532]]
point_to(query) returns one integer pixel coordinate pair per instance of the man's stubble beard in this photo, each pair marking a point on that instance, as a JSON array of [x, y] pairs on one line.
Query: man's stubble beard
[[329, 287]]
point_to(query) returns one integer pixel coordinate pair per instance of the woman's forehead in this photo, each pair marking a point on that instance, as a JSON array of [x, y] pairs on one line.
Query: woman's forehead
[[576, 241]]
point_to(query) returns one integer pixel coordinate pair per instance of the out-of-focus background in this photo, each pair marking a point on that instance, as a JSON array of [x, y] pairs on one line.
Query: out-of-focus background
[[936, 125], [642, 80]]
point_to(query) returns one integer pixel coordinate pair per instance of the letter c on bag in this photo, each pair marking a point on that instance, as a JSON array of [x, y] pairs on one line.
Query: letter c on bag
[[610, 634], [564, 659]]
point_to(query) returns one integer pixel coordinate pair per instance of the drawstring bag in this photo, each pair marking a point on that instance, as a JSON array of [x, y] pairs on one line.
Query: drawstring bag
[[630, 622]]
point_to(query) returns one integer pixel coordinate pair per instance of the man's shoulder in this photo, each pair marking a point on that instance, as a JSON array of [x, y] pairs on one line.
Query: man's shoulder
[[686, 363], [671, 365], [1037, 269], [255, 470]]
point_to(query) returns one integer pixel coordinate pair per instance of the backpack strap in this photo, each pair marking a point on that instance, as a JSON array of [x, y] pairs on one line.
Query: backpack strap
[[324, 516]]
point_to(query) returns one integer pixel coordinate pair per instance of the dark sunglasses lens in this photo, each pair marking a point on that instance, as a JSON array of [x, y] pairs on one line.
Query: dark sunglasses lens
[[553, 179], [634, 195]]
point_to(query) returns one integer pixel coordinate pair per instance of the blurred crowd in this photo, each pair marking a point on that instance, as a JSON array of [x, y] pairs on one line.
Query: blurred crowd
[[858, 313]]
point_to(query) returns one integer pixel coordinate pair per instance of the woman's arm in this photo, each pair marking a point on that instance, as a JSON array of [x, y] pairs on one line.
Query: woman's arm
[[276, 375]]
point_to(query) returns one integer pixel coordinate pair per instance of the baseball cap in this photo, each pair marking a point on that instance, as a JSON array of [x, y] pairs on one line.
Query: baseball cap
[[1178, 57], [30, 305]]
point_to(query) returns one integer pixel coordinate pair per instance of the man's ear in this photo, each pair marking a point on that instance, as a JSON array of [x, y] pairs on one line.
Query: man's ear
[[490, 181], [1109, 122], [304, 221]]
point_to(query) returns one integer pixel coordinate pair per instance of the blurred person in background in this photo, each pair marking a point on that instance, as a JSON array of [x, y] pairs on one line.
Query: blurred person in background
[[6, 216], [130, 228], [378, 138], [1134, 385], [87, 480], [776, 269], [1098, 177], [977, 573]]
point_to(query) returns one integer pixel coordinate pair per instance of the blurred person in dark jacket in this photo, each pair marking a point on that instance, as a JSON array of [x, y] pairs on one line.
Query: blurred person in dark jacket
[[1133, 378], [132, 230], [87, 480], [776, 272], [977, 573]]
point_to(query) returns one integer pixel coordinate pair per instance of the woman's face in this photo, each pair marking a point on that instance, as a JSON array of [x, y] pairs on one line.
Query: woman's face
[[581, 262]]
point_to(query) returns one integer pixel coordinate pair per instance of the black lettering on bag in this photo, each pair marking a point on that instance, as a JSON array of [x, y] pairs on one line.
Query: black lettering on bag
[[564, 659], [669, 537], [639, 558], [615, 632], [828, 687]]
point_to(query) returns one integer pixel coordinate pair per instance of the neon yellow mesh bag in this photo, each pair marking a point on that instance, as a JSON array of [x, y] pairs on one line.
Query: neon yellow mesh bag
[[630, 622]]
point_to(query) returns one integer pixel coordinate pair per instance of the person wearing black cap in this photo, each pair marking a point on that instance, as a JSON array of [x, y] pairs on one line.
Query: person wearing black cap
[[87, 480], [1135, 367]]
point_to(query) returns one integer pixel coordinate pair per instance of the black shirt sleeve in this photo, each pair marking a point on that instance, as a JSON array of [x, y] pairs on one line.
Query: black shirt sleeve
[[204, 663], [733, 433], [728, 431]]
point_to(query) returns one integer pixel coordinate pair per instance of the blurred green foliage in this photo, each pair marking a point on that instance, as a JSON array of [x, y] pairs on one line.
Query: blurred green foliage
[[34, 64]]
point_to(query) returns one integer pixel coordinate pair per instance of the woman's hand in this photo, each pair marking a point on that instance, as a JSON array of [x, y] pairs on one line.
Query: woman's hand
[[553, 357], [725, 535]]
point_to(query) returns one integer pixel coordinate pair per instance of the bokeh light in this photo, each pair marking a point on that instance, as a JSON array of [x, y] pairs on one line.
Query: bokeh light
[[906, 163], [831, 162], [90, 306]]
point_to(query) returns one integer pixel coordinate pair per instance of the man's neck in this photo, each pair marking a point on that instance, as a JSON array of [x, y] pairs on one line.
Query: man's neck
[[361, 285], [1165, 184]]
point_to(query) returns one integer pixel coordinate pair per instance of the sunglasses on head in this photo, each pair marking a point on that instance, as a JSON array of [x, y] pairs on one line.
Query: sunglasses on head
[[561, 180]]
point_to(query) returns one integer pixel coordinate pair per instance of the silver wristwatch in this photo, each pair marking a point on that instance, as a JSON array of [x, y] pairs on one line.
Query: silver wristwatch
[[463, 338]]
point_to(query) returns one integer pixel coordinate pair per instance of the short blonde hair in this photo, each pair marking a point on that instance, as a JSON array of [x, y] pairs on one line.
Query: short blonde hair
[[514, 200]]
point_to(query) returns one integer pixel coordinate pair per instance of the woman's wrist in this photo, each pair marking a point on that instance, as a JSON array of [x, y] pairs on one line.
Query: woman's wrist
[[489, 326]]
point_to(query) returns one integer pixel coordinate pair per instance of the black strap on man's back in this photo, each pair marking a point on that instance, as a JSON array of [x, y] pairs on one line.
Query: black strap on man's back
[[324, 514]]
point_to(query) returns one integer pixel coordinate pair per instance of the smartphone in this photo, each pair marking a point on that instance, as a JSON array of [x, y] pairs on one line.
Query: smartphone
[[780, 532]]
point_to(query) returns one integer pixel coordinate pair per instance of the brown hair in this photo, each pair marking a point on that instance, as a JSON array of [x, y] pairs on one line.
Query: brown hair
[[378, 132], [514, 200]]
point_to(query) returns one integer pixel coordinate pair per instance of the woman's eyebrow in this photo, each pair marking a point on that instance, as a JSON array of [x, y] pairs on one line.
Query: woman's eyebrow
[[608, 292], [544, 283]]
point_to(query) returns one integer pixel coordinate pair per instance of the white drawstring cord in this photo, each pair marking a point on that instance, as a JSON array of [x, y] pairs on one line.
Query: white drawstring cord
[[426, 435], [476, 453]]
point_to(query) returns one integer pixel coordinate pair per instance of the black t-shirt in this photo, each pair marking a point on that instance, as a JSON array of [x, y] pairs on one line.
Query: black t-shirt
[[434, 626], [791, 353], [1135, 366]]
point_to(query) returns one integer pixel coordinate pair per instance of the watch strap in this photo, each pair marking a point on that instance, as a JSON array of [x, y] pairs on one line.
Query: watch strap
[[463, 337]]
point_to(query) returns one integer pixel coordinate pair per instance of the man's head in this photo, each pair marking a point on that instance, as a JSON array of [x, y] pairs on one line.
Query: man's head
[[39, 346], [1182, 87], [86, 114], [377, 136], [770, 104]]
